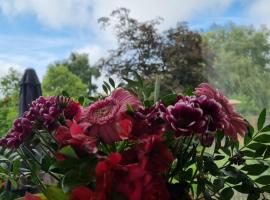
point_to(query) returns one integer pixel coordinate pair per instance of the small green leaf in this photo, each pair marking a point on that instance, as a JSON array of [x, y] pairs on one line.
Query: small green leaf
[[69, 152], [218, 184], [107, 85], [81, 100], [16, 166], [255, 169], [266, 188], [226, 194], [267, 153], [266, 128], [264, 138], [261, 119], [248, 153], [157, 89], [65, 94], [253, 196], [168, 99], [55, 193], [105, 89], [112, 82], [264, 180], [219, 157], [255, 146]]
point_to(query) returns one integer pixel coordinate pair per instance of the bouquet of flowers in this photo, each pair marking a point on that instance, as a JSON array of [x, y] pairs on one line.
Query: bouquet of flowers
[[133, 144]]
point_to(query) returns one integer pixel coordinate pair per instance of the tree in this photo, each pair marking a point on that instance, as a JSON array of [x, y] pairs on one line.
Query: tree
[[9, 89], [175, 54], [239, 64], [79, 65], [58, 79]]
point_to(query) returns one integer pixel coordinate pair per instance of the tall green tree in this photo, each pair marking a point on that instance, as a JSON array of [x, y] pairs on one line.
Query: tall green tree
[[79, 65], [58, 79], [9, 99], [239, 64], [175, 54]]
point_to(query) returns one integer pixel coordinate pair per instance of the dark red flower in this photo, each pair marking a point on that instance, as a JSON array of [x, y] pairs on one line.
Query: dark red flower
[[185, 117], [232, 122], [82, 193], [148, 121], [73, 110], [154, 155], [29, 196]]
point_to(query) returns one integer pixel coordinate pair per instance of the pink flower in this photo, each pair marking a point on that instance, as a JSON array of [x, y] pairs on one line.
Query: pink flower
[[107, 117], [232, 122]]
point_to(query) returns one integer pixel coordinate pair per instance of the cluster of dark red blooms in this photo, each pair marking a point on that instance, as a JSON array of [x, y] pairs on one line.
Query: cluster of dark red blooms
[[138, 171]]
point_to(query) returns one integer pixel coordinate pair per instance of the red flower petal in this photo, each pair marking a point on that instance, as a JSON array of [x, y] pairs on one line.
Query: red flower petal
[[29, 196], [82, 193]]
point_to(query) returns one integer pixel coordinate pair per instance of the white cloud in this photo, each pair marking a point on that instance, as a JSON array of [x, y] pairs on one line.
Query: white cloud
[[259, 12], [54, 13]]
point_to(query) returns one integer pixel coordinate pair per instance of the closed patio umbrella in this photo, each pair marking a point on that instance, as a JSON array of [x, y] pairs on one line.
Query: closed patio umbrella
[[30, 89]]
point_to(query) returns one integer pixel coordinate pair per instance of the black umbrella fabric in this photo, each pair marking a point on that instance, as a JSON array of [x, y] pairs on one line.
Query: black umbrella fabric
[[30, 89]]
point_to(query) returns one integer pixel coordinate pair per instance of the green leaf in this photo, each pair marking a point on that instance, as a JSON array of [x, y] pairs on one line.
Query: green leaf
[[263, 138], [254, 196], [266, 128], [255, 146], [81, 100], [211, 166], [107, 85], [55, 193], [248, 153], [218, 184], [266, 188], [259, 152], [255, 169], [261, 119], [226, 194], [264, 180], [65, 94], [168, 99], [16, 167], [105, 89], [139, 78], [267, 153], [219, 157], [112, 82], [69, 152], [157, 89]]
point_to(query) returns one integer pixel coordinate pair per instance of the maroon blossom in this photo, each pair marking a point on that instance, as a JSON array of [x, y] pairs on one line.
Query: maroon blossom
[[148, 121], [232, 123], [185, 117]]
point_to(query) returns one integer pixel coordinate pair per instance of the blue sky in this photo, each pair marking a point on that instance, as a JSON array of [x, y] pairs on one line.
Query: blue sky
[[35, 33]]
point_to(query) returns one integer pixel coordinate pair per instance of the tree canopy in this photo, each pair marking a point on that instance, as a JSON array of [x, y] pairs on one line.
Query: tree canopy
[[175, 54], [9, 89], [79, 65], [58, 79], [239, 64]]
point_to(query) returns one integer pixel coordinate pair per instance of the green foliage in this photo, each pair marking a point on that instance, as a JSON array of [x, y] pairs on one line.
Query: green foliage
[[175, 54], [9, 97], [79, 65], [58, 79], [238, 60]]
